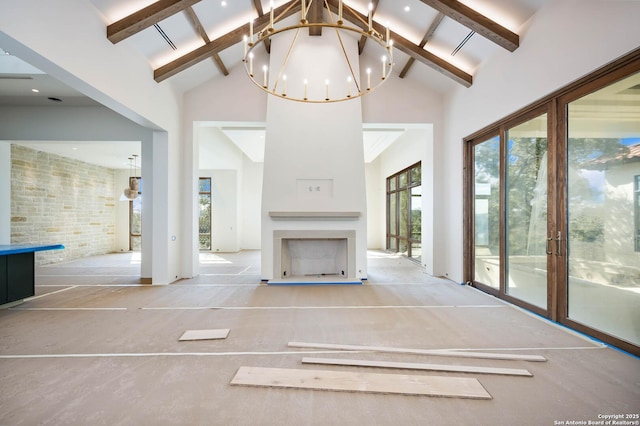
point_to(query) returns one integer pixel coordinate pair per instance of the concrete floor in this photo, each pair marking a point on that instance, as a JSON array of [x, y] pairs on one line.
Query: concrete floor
[[95, 347]]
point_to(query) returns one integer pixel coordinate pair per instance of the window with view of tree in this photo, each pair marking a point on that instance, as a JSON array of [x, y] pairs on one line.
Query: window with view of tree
[[404, 212], [204, 221]]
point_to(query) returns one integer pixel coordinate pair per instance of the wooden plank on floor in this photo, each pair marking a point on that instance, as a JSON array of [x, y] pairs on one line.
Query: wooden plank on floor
[[433, 352], [452, 387], [214, 334], [418, 366]]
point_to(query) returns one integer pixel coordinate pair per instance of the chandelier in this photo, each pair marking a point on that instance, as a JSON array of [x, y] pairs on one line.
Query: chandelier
[[131, 192], [354, 85]]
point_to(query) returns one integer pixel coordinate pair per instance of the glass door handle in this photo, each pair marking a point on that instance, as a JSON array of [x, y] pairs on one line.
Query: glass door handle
[[558, 243], [548, 245]]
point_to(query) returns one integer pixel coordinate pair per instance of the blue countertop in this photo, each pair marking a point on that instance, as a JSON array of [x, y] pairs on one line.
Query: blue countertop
[[7, 249]]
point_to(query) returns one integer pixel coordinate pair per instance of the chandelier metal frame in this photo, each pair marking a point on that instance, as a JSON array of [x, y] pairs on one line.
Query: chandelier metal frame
[[279, 86]]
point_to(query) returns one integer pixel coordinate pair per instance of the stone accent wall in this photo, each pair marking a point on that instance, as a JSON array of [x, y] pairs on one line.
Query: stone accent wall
[[57, 200]]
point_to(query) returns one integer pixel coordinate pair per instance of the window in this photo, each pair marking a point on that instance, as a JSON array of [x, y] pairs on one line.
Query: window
[[404, 212], [487, 211], [204, 220]]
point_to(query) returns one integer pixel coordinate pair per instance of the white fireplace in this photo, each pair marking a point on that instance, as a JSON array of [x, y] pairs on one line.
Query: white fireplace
[[310, 255], [314, 191]]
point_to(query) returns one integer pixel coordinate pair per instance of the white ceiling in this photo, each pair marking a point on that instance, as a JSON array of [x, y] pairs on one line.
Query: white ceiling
[[251, 140], [409, 18]]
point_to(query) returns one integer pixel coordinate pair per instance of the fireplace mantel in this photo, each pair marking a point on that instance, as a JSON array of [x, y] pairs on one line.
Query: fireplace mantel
[[311, 215]]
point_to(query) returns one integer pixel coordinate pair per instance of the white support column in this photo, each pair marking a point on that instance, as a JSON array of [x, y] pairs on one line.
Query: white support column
[[146, 267], [189, 187], [5, 193]]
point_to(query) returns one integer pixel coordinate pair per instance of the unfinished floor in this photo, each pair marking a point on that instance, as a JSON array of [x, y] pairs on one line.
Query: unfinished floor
[[95, 347]]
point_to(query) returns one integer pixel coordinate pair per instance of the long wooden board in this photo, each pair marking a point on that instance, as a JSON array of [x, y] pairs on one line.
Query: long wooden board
[[433, 352], [213, 334], [418, 366], [452, 387]]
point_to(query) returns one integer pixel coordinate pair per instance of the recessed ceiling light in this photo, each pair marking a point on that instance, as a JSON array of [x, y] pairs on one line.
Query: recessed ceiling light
[[407, 9], [223, 3], [35, 90]]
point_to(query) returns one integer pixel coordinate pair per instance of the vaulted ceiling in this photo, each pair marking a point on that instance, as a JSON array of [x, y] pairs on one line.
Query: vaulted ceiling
[[443, 41], [439, 43]]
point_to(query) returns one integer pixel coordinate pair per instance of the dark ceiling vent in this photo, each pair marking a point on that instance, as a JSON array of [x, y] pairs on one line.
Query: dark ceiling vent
[[52, 99], [165, 36], [15, 77], [462, 43]]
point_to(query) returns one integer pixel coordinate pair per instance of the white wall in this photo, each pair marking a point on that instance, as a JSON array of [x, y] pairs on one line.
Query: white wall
[[376, 217], [565, 40], [396, 101], [250, 201], [49, 35], [415, 145], [236, 225], [225, 236], [319, 143]]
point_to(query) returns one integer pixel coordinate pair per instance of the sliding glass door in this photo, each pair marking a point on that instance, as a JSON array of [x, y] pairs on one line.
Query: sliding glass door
[[552, 206], [526, 211], [510, 211], [486, 206], [603, 170]]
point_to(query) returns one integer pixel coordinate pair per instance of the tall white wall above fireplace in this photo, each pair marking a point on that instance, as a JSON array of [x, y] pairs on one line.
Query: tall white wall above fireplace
[[314, 174]]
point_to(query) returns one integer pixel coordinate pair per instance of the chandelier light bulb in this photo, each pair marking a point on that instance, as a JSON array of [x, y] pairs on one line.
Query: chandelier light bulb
[[368, 78], [251, 64], [271, 16], [284, 85], [370, 17], [326, 83], [264, 70], [306, 83], [387, 38]]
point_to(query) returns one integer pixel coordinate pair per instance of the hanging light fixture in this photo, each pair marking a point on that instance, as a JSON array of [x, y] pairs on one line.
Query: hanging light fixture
[[351, 88], [131, 192]]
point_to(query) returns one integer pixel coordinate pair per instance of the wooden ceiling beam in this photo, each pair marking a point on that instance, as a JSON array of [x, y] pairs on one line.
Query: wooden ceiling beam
[[476, 22], [197, 26], [314, 16], [407, 47], [432, 29], [221, 43], [145, 18]]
